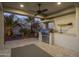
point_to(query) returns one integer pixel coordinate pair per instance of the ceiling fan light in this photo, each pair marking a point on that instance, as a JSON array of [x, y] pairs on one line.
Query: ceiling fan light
[[21, 5]]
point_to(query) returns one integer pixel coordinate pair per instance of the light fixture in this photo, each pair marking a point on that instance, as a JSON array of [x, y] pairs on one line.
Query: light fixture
[[21, 5], [58, 3]]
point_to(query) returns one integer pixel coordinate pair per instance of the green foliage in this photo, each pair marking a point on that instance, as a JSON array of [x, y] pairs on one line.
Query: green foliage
[[29, 19], [9, 20], [23, 30]]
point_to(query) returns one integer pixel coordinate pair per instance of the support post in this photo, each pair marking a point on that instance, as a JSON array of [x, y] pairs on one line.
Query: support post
[[1, 27], [40, 37], [50, 38]]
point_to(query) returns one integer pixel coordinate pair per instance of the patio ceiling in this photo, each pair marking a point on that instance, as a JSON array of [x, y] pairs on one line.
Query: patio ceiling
[[29, 6]]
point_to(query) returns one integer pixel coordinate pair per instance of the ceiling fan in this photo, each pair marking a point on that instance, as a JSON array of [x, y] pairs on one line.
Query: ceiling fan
[[40, 11]]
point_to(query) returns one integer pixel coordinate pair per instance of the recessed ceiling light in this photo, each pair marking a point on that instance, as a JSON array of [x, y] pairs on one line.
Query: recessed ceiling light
[[59, 3], [21, 5]]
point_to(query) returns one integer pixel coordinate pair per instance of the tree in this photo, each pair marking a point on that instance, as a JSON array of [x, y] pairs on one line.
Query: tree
[[8, 24]]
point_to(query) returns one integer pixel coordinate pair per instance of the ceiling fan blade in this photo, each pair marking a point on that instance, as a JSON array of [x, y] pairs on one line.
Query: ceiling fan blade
[[35, 14], [44, 10], [43, 14]]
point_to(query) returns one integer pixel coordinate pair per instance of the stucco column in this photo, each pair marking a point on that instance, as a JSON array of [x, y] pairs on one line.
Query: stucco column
[[51, 38], [77, 20], [1, 27], [77, 28], [40, 37]]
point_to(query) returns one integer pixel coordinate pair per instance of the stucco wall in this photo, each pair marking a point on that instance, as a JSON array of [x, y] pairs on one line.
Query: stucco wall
[[1, 28], [69, 39]]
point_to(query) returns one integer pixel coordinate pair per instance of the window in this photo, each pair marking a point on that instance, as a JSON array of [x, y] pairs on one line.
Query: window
[[51, 26], [20, 18], [7, 14], [37, 20]]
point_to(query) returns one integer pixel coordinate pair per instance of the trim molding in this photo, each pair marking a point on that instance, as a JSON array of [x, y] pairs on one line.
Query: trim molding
[[62, 13]]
